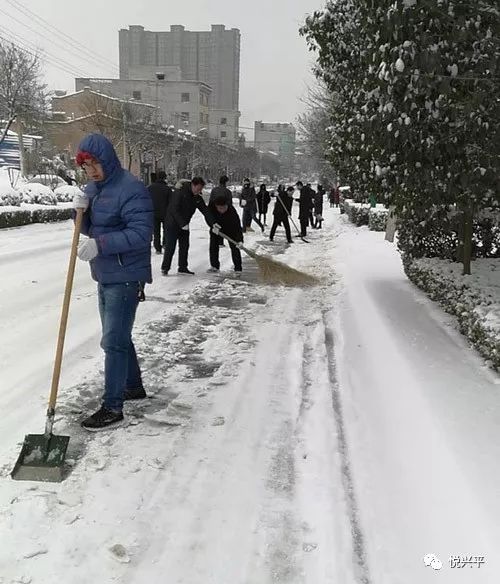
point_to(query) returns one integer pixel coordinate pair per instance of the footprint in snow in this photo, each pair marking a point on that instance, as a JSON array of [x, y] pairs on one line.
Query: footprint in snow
[[119, 553]]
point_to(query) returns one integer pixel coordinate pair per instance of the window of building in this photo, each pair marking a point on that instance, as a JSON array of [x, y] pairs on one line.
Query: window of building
[[136, 95], [223, 121], [223, 134], [185, 116], [185, 97]]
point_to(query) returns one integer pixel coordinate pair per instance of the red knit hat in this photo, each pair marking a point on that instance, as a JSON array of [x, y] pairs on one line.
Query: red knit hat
[[82, 157]]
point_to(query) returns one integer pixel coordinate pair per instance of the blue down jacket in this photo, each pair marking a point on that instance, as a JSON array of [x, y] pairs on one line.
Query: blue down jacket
[[119, 218]]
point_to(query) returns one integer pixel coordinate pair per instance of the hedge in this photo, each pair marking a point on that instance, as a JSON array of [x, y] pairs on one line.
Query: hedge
[[474, 300], [19, 217]]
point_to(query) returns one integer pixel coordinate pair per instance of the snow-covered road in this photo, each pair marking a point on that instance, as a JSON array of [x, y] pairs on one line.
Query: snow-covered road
[[325, 436]]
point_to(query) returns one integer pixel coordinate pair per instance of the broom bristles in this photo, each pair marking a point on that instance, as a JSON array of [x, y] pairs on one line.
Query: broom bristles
[[274, 272]]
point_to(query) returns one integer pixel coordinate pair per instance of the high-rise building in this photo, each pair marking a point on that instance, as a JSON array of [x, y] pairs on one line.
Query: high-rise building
[[277, 138], [212, 57]]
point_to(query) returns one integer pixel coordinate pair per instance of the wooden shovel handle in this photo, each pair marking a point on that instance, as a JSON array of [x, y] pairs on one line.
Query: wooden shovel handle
[[65, 311]]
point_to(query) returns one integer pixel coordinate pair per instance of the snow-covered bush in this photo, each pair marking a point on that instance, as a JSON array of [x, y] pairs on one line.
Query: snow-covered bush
[[9, 196], [474, 300], [66, 193], [377, 218], [38, 194], [19, 217], [358, 213], [50, 215]]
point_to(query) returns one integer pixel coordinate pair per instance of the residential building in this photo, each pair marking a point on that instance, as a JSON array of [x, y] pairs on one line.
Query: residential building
[[212, 57], [277, 138], [182, 104]]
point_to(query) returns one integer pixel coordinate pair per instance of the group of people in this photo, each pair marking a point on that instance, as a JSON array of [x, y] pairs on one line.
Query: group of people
[[120, 218]]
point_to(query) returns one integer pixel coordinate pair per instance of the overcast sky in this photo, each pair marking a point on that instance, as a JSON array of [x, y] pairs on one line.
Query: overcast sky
[[275, 62]]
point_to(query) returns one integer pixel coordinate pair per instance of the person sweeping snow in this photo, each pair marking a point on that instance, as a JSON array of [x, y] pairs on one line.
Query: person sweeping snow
[[118, 220], [282, 210], [226, 220]]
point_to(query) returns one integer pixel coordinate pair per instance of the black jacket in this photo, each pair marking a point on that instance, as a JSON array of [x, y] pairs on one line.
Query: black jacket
[[318, 202], [230, 223], [249, 196], [182, 207], [263, 200], [284, 208], [305, 202], [221, 191], [161, 194]]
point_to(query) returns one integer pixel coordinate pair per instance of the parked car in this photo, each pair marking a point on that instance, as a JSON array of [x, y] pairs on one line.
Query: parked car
[[49, 180]]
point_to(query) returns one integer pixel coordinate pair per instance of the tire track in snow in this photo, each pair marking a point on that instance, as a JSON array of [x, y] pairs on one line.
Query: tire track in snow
[[358, 541]]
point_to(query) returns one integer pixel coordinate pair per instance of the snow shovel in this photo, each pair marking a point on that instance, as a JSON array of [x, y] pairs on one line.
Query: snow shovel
[[273, 272], [291, 219], [42, 455]]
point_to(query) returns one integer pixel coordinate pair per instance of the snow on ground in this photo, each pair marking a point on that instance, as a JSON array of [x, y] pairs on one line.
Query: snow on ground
[[324, 436]]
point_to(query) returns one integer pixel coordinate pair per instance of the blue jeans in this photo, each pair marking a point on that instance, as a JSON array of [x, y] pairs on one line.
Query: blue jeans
[[117, 308]]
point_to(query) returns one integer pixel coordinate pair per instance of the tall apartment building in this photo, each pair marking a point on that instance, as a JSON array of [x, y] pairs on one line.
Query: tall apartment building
[[212, 57], [278, 138]]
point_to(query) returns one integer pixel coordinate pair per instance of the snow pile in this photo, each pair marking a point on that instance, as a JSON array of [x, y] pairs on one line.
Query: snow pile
[[377, 218], [474, 300], [65, 194], [38, 194], [9, 196]]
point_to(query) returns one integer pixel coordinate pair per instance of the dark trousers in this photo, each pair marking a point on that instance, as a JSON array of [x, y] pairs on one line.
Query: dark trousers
[[250, 215], [318, 223], [159, 234], [214, 253], [172, 236], [285, 224], [117, 308], [304, 222]]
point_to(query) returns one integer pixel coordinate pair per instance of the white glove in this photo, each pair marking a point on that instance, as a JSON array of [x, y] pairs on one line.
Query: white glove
[[243, 203], [80, 201], [185, 228], [216, 228], [239, 244], [87, 250]]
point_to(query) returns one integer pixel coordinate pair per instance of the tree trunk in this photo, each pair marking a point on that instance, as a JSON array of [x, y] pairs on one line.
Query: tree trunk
[[22, 157], [468, 233]]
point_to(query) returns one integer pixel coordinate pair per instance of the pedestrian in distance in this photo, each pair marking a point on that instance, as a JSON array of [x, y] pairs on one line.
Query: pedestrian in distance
[[118, 223], [161, 194], [305, 206], [312, 221], [281, 212], [186, 199], [263, 200], [248, 201], [225, 219], [318, 207]]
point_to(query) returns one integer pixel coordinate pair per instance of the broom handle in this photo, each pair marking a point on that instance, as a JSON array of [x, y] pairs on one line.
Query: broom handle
[[236, 243], [288, 213], [64, 314]]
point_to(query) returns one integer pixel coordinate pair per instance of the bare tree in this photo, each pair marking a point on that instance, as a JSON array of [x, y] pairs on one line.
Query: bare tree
[[22, 94]]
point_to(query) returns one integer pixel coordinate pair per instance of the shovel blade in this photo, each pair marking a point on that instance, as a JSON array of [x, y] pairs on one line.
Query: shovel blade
[[42, 458]]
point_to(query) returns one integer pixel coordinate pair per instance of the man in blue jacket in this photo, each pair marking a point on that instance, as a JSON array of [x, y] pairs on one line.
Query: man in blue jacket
[[118, 220]]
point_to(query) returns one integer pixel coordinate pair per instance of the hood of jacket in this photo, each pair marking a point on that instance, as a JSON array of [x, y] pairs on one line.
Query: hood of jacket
[[103, 151]]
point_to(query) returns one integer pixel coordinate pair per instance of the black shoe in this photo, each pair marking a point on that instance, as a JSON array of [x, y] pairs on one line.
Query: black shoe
[[290, 241], [185, 271], [137, 393], [164, 272], [102, 419]]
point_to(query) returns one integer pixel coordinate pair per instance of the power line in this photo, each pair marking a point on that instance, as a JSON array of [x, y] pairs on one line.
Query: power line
[[53, 41], [57, 63], [54, 30]]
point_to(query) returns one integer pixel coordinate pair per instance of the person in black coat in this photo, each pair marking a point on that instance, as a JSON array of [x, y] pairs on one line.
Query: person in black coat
[[160, 193], [282, 211], [183, 204], [248, 201], [263, 200], [225, 219], [218, 191], [318, 207], [305, 207]]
